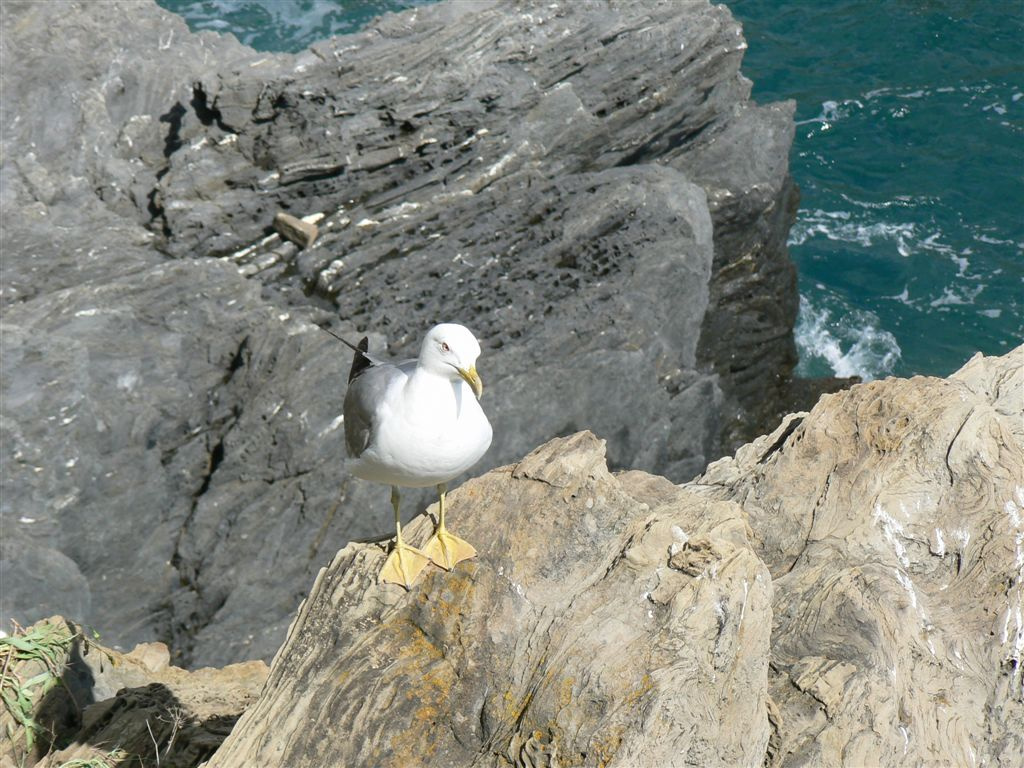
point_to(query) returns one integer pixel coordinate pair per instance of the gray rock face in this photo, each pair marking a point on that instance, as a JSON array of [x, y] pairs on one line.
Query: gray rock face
[[588, 188], [448, 180], [89, 123], [121, 405]]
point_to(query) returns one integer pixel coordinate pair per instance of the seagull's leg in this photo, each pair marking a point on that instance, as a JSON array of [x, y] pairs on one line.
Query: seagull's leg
[[444, 548], [404, 563]]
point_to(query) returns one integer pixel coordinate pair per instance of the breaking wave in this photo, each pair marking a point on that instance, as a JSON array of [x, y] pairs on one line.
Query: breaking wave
[[850, 342]]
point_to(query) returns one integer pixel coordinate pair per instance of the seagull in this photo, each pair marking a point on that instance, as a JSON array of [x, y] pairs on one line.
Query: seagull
[[415, 424]]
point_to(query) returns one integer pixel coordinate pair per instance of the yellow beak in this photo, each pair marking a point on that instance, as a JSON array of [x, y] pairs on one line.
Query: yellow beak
[[472, 378]]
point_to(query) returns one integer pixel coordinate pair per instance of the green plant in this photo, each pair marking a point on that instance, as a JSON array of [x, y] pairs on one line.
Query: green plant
[[45, 644]]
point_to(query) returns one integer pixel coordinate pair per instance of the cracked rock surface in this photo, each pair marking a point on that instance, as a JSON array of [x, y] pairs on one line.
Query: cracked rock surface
[[577, 637], [589, 188], [892, 519], [844, 591]]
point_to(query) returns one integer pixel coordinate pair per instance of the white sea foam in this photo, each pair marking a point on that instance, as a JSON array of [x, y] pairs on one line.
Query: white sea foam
[[862, 225], [842, 226], [983, 238], [898, 201], [864, 229], [903, 297], [853, 345], [954, 297], [833, 112]]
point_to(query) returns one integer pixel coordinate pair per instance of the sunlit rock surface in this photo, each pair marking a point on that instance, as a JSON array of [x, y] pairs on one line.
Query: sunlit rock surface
[[621, 620], [587, 187]]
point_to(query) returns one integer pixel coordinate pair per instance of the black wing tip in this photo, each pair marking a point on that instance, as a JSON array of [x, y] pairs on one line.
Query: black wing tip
[[360, 362]]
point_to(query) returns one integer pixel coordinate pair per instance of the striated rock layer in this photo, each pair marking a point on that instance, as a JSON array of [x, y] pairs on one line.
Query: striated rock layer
[[496, 161], [892, 519], [609, 620], [844, 591], [587, 186]]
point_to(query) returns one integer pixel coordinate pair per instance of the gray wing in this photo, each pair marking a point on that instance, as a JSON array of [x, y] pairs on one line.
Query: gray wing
[[364, 393]]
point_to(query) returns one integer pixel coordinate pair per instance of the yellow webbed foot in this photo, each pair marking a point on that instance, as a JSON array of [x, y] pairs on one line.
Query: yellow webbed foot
[[403, 565], [446, 549]]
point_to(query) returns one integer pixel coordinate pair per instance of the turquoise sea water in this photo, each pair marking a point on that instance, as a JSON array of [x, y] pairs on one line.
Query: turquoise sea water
[[909, 153], [283, 25]]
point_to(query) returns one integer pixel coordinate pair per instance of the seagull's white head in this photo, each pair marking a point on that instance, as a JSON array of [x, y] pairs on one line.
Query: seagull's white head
[[450, 350]]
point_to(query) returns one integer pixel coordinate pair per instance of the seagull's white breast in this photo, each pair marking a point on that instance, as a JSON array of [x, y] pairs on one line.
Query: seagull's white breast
[[428, 430]]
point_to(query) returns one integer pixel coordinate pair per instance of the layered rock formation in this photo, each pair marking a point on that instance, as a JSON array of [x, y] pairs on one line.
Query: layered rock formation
[[892, 519], [845, 591], [589, 188], [588, 632]]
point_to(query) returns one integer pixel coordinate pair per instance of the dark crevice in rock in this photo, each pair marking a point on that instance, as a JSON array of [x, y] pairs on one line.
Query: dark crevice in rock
[[191, 610], [311, 173], [952, 442], [157, 217], [201, 606], [216, 457], [238, 360], [789, 430]]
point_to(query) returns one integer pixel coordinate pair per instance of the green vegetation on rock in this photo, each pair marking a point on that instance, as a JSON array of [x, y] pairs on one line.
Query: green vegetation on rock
[[45, 645]]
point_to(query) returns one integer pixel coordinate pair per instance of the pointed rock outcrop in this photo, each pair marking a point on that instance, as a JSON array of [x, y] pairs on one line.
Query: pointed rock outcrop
[[891, 518], [608, 620]]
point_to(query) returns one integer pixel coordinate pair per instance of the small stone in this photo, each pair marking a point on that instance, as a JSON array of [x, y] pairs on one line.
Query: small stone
[[302, 233], [153, 656]]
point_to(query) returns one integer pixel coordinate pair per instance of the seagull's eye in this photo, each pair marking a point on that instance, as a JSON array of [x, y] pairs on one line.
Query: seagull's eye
[[445, 347]]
